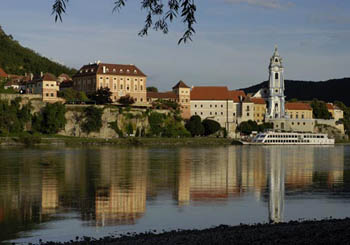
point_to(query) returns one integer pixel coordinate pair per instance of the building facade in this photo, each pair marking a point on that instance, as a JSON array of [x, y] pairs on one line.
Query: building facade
[[299, 110], [259, 109], [46, 85], [122, 80]]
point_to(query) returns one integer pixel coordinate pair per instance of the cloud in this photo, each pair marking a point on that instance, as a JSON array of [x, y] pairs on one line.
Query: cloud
[[274, 4]]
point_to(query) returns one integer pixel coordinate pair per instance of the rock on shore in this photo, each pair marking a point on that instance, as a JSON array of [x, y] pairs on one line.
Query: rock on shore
[[307, 232]]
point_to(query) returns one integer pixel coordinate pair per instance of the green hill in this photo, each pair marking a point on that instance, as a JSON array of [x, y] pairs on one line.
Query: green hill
[[329, 91], [15, 59]]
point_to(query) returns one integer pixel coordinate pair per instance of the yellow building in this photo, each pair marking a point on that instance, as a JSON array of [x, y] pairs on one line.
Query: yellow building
[[298, 110], [120, 79], [46, 85], [336, 112], [259, 109]]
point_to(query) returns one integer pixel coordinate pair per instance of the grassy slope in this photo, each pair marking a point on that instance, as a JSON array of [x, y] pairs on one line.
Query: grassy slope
[[15, 59]]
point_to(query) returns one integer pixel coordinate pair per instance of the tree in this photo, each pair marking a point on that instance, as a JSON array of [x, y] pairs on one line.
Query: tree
[[71, 95], [93, 119], [51, 119], [152, 89], [126, 100], [210, 126], [320, 109], [194, 126], [102, 96], [155, 120], [247, 127], [165, 15]]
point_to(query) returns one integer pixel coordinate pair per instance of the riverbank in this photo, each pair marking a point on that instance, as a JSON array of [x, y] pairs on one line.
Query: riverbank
[[71, 141], [330, 231]]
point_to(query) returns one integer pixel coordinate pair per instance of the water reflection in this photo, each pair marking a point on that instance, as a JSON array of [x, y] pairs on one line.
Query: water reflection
[[113, 186]]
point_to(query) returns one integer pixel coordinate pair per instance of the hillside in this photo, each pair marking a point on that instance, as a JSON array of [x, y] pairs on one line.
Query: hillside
[[329, 91], [15, 59]]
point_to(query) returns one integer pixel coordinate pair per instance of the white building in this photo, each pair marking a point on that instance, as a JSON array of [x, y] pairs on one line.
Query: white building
[[276, 98]]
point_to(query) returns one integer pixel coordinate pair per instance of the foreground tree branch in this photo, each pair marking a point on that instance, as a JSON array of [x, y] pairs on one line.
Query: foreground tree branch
[[156, 10]]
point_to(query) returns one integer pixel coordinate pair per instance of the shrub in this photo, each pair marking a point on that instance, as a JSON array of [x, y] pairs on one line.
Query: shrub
[[51, 119], [93, 119], [102, 96], [247, 127], [194, 126], [29, 139], [126, 100], [155, 120], [210, 126], [114, 126]]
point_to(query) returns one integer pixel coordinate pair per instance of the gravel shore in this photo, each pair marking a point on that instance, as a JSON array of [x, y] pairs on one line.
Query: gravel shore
[[328, 231]]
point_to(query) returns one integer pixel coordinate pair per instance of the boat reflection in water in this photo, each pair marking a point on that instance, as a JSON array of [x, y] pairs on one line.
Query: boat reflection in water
[[164, 187]]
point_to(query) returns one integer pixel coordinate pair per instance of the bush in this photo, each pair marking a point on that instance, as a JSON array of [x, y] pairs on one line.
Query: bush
[[29, 139], [210, 126], [114, 126], [126, 100], [102, 96], [248, 127], [194, 126], [51, 119], [156, 120], [93, 119], [320, 109]]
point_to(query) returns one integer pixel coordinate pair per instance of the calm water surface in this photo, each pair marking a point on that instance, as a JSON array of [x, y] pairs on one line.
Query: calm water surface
[[60, 193]]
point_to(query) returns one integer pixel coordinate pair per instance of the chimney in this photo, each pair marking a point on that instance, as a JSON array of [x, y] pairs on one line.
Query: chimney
[[31, 76], [104, 69], [41, 74]]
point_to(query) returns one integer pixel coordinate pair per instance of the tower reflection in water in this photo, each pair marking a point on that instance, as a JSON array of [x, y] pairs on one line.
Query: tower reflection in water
[[276, 183]]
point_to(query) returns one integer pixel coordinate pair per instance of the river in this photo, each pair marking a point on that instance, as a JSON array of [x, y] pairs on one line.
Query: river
[[59, 193]]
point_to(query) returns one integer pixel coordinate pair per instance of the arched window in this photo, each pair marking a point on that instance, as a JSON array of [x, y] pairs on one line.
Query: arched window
[[276, 75]]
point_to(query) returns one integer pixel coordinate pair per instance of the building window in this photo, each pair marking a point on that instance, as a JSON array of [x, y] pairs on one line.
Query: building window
[[47, 94], [141, 87], [201, 113], [210, 106], [135, 99], [222, 106], [216, 113], [135, 87], [234, 114], [211, 113], [127, 88], [195, 113], [121, 86], [276, 75], [141, 99], [216, 106], [302, 116], [222, 113], [201, 106], [51, 94], [247, 114], [195, 106]]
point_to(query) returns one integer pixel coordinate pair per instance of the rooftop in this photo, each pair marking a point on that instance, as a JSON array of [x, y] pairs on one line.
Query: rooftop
[[110, 69], [298, 106]]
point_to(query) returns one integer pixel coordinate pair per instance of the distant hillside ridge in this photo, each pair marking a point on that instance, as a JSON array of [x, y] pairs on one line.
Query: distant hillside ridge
[[328, 91], [16, 59]]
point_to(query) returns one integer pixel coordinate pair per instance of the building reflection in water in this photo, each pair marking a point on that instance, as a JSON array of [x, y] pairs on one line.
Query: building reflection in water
[[121, 192], [49, 192]]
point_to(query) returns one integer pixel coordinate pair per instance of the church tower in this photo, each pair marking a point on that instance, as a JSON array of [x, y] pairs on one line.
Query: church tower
[[276, 98]]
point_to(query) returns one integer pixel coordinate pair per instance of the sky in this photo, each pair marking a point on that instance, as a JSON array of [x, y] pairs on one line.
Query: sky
[[232, 46]]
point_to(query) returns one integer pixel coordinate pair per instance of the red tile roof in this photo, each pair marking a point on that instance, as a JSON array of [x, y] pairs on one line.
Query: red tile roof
[[259, 101], [298, 106], [110, 69], [210, 93], [49, 77], [180, 84], [2, 73], [236, 94], [330, 106], [161, 95], [65, 77]]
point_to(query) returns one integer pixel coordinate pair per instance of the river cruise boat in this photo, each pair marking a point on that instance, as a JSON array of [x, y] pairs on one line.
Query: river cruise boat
[[279, 138]]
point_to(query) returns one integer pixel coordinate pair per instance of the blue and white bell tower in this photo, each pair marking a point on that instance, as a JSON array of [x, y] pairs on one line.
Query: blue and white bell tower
[[276, 98]]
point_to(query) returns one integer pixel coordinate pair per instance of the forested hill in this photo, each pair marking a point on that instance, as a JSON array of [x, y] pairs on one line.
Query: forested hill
[[15, 59], [329, 91]]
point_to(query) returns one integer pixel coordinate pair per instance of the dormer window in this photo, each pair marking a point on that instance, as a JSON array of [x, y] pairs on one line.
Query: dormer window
[[114, 70], [92, 70], [121, 70], [135, 71], [127, 70], [107, 70]]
